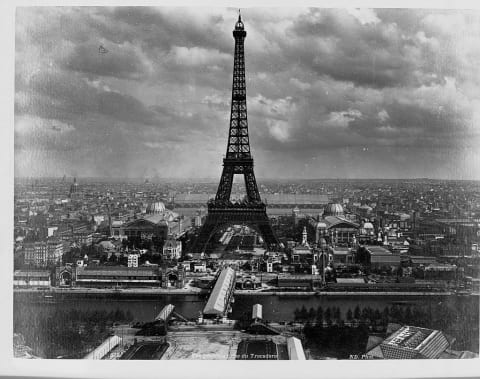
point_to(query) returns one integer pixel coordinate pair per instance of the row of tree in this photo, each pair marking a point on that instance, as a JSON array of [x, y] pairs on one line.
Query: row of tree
[[366, 315], [459, 319]]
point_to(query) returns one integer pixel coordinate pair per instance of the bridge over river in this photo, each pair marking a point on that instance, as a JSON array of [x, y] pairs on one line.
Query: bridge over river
[[221, 297]]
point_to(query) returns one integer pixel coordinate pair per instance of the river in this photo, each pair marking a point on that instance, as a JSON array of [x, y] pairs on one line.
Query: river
[[456, 315], [275, 308]]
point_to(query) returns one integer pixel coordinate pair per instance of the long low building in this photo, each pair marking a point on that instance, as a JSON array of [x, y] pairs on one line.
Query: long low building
[[382, 257], [31, 278], [97, 276]]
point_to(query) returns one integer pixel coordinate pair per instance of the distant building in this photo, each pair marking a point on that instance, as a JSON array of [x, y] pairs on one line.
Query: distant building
[[145, 228], [83, 238], [381, 257], [172, 249], [31, 278], [108, 276], [441, 272], [158, 222], [64, 276], [132, 260], [366, 233], [420, 260], [334, 227], [247, 282], [72, 230], [342, 255], [411, 342], [302, 253], [74, 190], [43, 253]]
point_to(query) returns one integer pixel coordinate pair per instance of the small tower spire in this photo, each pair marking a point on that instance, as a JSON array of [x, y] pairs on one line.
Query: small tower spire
[[239, 24], [304, 236]]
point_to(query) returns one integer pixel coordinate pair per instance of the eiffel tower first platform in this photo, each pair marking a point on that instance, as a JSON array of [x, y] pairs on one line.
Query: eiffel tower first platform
[[251, 211]]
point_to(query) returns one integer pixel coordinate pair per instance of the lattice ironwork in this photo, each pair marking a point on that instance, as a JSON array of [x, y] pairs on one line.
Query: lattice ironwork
[[237, 161]]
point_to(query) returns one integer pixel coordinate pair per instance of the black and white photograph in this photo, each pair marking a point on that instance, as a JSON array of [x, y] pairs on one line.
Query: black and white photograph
[[245, 183]]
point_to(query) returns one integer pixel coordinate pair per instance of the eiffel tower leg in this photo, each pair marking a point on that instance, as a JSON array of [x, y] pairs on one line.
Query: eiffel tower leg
[[205, 235], [251, 184], [225, 186]]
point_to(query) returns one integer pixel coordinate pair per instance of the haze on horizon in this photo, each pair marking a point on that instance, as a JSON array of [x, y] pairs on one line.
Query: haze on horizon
[[331, 93]]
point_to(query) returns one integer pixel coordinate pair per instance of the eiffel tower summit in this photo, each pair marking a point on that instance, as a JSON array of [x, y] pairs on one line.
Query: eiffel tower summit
[[251, 211]]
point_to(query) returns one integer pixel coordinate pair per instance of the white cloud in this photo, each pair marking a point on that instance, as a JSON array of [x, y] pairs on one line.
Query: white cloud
[[154, 145], [315, 77], [364, 15], [301, 85], [282, 108], [343, 119], [197, 56], [280, 130], [27, 125], [383, 115]]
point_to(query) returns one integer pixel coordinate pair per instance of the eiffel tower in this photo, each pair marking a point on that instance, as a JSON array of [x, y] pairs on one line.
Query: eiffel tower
[[251, 211]]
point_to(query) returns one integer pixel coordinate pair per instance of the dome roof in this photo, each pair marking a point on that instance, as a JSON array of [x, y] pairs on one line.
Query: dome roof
[[368, 225], [333, 209], [157, 207]]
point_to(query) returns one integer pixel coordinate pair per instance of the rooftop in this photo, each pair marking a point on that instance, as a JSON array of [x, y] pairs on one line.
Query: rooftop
[[217, 300], [117, 270]]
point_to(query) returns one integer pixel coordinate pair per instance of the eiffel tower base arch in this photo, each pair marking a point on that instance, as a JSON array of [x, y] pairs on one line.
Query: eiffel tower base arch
[[220, 217]]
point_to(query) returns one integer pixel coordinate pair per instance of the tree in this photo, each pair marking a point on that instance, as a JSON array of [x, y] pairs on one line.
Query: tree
[[328, 316], [303, 313], [377, 315], [337, 314], [296, 314], [319, 315], [349, 315], [364, 315], [356, 313], [396, 313], [385, 316], [408, 315]]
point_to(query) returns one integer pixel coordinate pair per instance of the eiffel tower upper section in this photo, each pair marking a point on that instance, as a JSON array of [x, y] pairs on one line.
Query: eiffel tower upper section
[[238, 143], [238, 159]]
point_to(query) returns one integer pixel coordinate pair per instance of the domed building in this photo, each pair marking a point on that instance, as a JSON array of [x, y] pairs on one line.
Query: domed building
[[74, 192], [366, 232], [158, 222], [333, 209], [334, 227], [155, 208]]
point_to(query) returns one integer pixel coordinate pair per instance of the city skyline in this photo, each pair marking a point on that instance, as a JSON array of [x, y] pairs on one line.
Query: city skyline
[[332, 93]]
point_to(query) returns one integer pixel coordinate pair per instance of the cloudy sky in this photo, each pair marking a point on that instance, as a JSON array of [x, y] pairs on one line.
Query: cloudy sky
[[331, 93]]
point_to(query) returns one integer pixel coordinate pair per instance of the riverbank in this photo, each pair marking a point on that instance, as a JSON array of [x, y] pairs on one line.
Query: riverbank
[[155, 292], [140, 291]]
